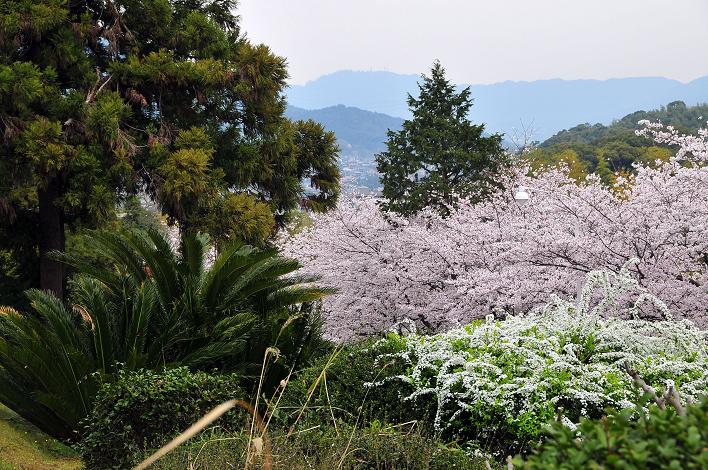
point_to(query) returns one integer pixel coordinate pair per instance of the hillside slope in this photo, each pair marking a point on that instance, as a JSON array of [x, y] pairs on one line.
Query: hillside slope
[[24, 447], [614, 149], [358, 131]]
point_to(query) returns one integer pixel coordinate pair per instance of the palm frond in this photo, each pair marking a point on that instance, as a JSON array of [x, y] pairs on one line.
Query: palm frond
[[295, 295], [137, 323], [19, 398], [227, 270], [193, 250], [149, 308], [260, 276], [157, 255], [5, 310], [49, 364], [61, 321], [90, 296]]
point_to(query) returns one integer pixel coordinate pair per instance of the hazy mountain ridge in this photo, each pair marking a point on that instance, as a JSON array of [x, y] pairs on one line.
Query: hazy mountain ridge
[[361, 106], [548, 106], [361, 135], [358, 131]]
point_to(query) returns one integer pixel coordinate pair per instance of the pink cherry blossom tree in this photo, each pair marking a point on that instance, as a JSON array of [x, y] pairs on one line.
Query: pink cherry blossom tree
[[505, 258]]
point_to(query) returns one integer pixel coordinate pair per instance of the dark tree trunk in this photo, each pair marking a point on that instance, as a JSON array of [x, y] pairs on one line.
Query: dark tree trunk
[[51, 237]]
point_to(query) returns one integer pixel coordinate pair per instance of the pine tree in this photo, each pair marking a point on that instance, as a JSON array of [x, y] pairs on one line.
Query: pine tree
[[100, 99], [438, 155]]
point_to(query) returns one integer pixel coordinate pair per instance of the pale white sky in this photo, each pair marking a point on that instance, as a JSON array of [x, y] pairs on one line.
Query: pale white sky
[[486, 41]]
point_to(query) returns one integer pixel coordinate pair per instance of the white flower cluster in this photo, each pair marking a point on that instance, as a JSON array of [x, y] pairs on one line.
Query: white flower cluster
[[561, 361]]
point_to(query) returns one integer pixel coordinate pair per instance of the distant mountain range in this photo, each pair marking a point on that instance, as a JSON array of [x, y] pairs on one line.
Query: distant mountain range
[[358, 131], [360, 107], [548, 106]]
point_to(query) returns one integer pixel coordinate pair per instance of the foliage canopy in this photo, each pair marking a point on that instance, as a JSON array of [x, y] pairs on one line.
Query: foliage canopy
[[104, 98], [659, 439], [614, 149]]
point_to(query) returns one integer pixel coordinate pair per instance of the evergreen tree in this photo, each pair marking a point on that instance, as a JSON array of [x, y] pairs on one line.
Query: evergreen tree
[[602, 170], [100, 99], [438, 155]]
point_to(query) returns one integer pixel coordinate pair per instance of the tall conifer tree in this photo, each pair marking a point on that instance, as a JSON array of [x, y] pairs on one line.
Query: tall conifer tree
[[103, 98], [438, 155]]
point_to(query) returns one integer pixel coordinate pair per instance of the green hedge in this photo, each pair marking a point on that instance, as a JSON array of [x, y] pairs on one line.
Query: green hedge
[[145, 409], [660, 440]]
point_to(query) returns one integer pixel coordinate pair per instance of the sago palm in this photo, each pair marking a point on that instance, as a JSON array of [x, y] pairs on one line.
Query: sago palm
[[47, 365], [151, 307]]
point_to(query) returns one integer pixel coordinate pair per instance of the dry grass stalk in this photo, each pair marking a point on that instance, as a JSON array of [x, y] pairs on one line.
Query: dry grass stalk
[[257, 422], [312, 389], [206, 420]]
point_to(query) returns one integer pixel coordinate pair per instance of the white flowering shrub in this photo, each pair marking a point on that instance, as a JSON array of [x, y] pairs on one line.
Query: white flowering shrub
[[499, 382]]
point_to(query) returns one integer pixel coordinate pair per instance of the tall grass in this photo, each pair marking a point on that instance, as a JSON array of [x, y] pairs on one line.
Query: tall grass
[[323, 448], [339, 446]]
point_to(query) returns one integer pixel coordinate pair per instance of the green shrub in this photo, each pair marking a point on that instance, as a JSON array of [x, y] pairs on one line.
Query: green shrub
[[338, 383], [145, 409], [661, 439], [375, 447]]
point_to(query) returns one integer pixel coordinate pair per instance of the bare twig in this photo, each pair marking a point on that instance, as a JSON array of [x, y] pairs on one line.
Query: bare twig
[[101, 82], [639, 382], [671, 395], [522, 139], [257, 422]]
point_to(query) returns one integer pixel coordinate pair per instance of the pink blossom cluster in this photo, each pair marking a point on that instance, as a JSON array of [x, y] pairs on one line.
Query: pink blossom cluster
[[501, 257], [693, 148]]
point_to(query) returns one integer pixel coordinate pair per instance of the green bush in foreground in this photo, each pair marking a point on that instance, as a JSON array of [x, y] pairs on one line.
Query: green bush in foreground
[[338, 387], [145, 409], [326, 448], [662, 439]]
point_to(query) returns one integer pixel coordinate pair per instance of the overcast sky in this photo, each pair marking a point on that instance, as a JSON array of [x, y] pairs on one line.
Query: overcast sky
[[486, 41]]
